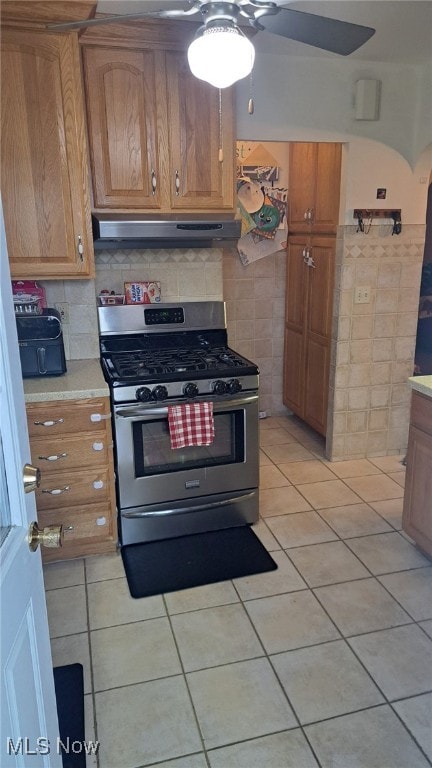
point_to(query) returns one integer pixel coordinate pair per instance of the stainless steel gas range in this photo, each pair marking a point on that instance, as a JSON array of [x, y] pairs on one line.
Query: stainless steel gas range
[[154, 356]]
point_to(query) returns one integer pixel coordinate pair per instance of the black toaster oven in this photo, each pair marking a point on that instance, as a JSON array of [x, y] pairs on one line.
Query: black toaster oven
[[41, 346]]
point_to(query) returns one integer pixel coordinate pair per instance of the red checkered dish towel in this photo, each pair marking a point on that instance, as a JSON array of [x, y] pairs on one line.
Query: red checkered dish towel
[[191, 424]]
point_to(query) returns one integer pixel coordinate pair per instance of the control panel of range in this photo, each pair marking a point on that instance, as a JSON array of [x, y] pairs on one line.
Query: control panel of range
[[189, 390], [185, 390], [164, 316]]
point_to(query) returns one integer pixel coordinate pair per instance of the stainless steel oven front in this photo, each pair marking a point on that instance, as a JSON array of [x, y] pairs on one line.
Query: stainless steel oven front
[[165, 492]]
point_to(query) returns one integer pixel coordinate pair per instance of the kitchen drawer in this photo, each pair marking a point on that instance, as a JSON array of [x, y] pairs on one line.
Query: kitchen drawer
[[421, 412], [60, 453], [88, 530], [61, 417], [91, 521], [66, 489]]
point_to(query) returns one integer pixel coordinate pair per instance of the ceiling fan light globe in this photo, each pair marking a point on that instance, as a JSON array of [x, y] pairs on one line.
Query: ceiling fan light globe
[[221, 56]]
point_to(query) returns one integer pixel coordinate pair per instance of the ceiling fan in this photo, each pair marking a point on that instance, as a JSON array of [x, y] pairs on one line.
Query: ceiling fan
[[221, 53]]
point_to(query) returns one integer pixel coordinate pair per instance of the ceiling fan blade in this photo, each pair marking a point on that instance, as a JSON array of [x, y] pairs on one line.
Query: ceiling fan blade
[[120, 19], [329, 34]]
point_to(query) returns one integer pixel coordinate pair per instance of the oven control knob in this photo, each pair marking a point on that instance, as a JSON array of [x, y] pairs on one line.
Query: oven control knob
[[219, 387], [143, 394], [234, 386], [159, 393], [190, 389]]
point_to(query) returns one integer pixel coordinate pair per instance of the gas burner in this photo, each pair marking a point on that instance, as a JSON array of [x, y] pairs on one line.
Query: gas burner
[[151, 349]]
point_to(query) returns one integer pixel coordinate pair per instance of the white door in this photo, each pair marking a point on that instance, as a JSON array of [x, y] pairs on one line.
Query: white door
[[29, 726]]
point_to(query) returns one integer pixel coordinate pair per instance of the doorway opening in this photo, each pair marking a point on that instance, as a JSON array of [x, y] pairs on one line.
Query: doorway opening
[[423, 348]]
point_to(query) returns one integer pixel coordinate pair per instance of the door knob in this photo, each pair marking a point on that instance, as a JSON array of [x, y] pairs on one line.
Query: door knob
[[31, 478], [51, 536]]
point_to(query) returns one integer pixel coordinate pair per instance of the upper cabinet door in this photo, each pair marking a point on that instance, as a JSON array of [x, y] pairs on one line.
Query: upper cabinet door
[[314, 187], [325, 214], [302, 171], [127, 133], [44, 169], [200, 176]]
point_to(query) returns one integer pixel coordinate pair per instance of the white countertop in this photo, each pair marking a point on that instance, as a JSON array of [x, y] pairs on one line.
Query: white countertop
[[422, 384], [83, 379]]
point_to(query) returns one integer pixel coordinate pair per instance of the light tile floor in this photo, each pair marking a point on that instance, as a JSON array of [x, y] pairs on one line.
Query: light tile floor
[[326, 661]]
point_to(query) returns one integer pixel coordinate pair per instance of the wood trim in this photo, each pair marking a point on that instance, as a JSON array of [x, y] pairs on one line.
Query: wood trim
[[153, 34], [45, 11]]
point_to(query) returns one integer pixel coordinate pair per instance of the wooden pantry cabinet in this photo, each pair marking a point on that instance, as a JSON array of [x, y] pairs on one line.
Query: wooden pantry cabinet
[[154, 131], [71, 443], [308, 321], [314, 187], [417, 505], [44, 166], [313, 216]]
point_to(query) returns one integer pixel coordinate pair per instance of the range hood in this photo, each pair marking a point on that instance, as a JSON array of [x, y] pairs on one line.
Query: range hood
[[114, 231]]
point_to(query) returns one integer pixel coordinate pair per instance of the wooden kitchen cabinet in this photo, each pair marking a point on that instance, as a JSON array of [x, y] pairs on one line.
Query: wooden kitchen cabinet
[[417, 506], [308, 323], [71, 443], [314, 187], [44, 167], [154, 132], [313, 215]]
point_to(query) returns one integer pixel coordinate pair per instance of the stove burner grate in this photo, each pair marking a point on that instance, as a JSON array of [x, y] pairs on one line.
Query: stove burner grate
[[142, 364]]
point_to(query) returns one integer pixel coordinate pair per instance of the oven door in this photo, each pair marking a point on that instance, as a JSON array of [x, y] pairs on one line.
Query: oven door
[[153, 478]]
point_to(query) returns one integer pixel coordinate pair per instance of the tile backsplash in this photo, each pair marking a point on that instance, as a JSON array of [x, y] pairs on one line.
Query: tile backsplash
[[185, 275], [372, 347]]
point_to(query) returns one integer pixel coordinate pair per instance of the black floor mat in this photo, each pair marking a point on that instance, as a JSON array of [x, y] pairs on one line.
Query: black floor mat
[[69, 688], [192, 561]]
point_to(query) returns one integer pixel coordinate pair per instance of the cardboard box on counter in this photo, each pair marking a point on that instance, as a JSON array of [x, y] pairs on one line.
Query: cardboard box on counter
[[144, 292]]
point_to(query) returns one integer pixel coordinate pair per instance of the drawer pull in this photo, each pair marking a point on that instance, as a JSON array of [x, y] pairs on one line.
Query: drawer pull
[[101, 521], [54, 457], [98, 446], [69, 529], [56, 491], [99, 416], [97, 484], [48, 423]]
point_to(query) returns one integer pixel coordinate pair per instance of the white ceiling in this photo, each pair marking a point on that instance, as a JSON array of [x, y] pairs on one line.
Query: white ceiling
[[403, 27]]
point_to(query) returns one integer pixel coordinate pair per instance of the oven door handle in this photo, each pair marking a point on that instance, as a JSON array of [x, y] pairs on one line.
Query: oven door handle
[[190, 508], [139, 412]]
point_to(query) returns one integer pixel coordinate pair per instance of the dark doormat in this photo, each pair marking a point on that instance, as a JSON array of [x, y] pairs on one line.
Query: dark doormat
[[192, 561], [69, 688]]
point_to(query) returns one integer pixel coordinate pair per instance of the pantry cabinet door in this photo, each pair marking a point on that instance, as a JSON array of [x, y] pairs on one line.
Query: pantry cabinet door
[[318, 331], [44, 168], [302, 174], [295, 319], [314, 183], [325, 214], [308, 326], [199, 177], [127, 126]]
